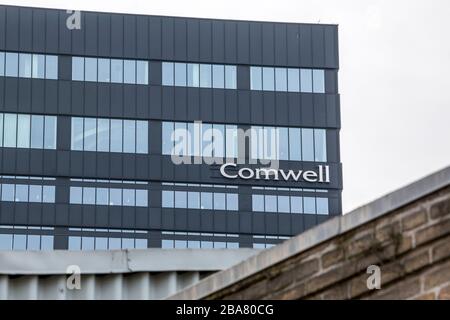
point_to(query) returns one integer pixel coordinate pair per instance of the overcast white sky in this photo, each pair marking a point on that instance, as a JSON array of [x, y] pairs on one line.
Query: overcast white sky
[[394, 77]]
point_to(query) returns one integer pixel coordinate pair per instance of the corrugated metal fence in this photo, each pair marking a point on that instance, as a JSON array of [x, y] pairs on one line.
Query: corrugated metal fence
[[125, 274]]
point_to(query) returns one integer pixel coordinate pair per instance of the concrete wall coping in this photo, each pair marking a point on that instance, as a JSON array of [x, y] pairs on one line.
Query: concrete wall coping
[[120, 261], [317, 235]]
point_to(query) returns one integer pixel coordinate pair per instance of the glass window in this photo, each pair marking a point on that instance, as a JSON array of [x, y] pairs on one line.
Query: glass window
[[194, 200], [309, 205], [233, 245], [218, 76], [231, 141], [104, 70], [283, 144], [33, 242], [129, 74], [127, 243], [88, 195], [50, 132], [270, 203], [141, 244], [19, 242], [167, 199], [220, 245], [23, 131], [206, 200], [102, 196], [90, 134], [258, 202], [296, 204], [2, 65], [280, 79], [78, 68], [295, 144], [87, 243], [116, 70], [283, 204], [319, 81], [21, 193], [207, 134], [6, 240], [257, 142], [307, 145], [218, 140], [115, 197], [35, 194], [205, 76], [230, 77], [194, 141], [255, 78], [232, 202], [46, 242], [219, 201], [74, 243], [103, 135], [180, 244], [271, 146], [90, 69], [259, 246], [320, 145], [38, 66], [101, 243], [129, 136], [51, 67], [167, 73], [25, 65], [1, 129], [128, 197], [142, 137], [167, 244], [48, 194], [293, 80], [37, 132], [206, 244], [12, 64], [193, 75], [116, 136], [306, 80], [322, 206], [141, 198], [180, 199], [10, 129], [77, 134], [167, 143], [114, 243], [180, 74], [193, 244], [142, 72], [268, 79], [76, 195]]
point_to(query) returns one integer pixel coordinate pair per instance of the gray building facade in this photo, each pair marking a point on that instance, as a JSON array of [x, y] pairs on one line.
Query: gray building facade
[[86, 117]]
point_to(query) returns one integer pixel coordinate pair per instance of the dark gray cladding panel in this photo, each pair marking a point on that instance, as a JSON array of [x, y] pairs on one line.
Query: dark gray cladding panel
[[176, 103], [2, 27], [170, 38]]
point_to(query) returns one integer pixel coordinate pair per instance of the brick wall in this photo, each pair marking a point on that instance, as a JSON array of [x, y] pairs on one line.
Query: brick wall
[[411, 245]]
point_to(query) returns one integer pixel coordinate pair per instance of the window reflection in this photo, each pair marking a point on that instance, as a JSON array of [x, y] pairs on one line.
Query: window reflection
[[109, 196], [109, 135], [109, 70], [199, 75], [27, 131], [287, 79]]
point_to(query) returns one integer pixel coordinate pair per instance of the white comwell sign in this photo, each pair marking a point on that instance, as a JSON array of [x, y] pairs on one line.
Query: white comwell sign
[[322, 175]]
